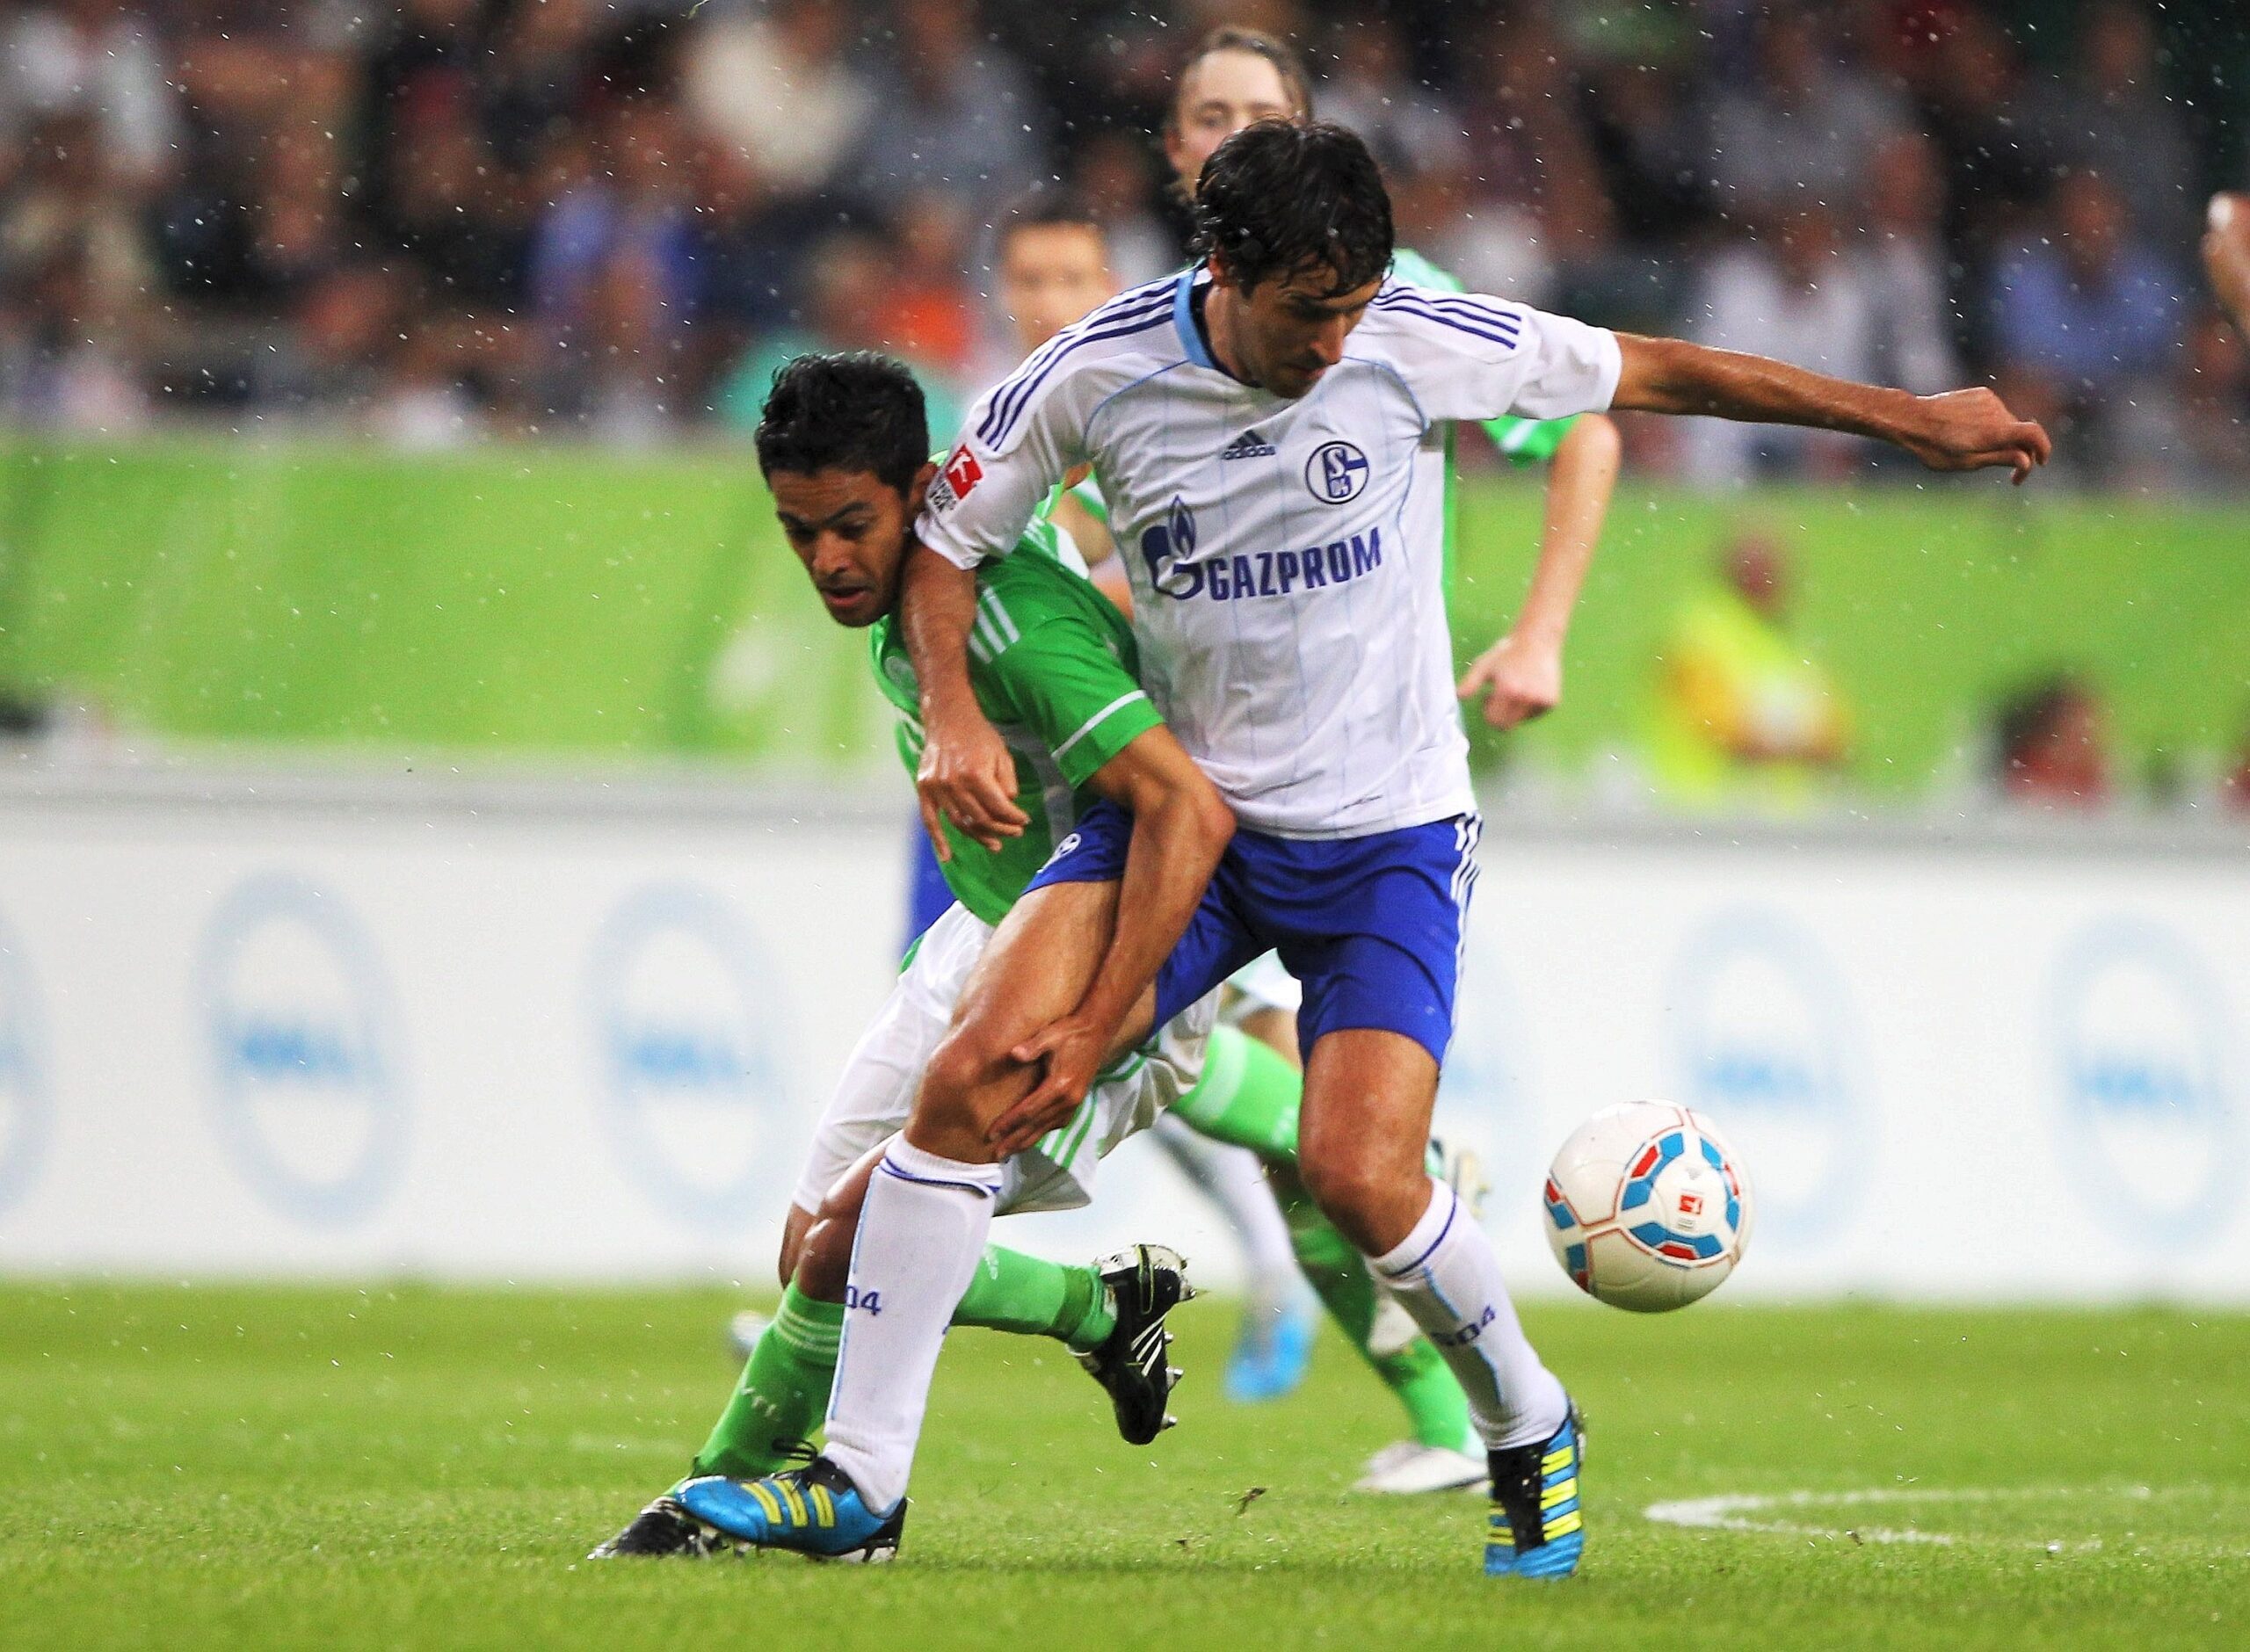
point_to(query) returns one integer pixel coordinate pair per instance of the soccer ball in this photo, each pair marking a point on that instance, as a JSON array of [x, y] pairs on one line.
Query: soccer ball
[[1647, 1207]]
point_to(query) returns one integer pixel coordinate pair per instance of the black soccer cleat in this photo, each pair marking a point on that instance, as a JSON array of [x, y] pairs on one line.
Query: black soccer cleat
[[1145, 1283], [665, 1527]]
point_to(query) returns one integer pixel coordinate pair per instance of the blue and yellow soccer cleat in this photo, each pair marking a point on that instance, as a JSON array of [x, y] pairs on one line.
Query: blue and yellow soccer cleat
[[814, 1511], [1536, 1530]]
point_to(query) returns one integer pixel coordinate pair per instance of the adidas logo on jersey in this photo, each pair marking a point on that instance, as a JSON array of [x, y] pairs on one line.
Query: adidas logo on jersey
[[1249, 444]]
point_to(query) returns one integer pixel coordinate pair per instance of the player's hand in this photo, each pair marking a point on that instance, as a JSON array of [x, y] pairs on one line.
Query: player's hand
[[966, 776], [1520, 679], [1972, 429], [1073, 1049]]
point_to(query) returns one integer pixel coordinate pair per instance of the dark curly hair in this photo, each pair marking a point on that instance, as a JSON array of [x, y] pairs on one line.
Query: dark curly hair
[[854, 410], [1284, 196]]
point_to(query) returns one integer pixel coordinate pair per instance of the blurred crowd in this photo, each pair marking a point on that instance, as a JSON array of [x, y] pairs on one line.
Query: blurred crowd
[[434, 220]]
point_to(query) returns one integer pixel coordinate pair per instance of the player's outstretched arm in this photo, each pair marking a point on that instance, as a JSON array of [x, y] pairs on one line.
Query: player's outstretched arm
[[1180, 827], [2226, 257], [1521, 676], [1962, 429], [966, 774]]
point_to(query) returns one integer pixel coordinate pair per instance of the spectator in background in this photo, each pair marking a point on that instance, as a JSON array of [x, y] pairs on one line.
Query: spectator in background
[[1901, 257], [1804, 129], [2051, 745], [613, 278], [537, 80], [777, 83], [1997, 170], [1370, 87], [1798, 298], [927, 312], [92, 58], [1535, 207], [75, 320], [2108, 114], [958, 115], [326, 365], [430, 53], [452, 207], [849, 282], [1742, 715], [1114, 173], [2196, 435], [2085, 315], [418, 400]]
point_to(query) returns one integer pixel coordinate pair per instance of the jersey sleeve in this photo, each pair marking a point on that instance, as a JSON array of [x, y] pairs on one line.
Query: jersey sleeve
[[1059, 679], [1465, 356], [1019, 439]]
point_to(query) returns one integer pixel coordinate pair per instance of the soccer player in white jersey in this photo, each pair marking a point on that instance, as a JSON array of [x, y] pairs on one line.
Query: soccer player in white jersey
[[1233, 78], [1052, 261], [1291, 628]]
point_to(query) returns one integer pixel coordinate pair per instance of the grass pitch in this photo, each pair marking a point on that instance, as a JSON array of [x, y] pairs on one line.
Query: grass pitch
[[413, 1467]]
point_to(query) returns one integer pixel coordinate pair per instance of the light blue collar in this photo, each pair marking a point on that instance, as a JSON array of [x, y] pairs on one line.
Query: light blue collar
[[1183, 321]]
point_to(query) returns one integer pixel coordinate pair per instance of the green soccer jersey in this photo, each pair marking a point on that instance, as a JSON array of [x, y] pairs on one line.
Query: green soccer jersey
[[1054, 665]]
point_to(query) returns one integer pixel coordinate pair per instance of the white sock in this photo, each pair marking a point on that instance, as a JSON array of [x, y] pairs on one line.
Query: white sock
[[1236, 1182], [921, 1232], [1446, 1275]]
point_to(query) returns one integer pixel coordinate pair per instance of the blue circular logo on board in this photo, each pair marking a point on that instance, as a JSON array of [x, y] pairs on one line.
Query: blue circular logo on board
[[27, 1117], [690, 1048], [1762, 1040], [1335, 473], [302, 1048], [2151, 1133]]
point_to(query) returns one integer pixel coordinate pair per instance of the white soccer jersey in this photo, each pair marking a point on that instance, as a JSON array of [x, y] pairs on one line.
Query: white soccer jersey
[[1286, 556]]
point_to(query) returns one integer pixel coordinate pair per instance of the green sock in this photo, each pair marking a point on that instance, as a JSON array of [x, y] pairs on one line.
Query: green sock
[[1417, 1374], [1012, 1292], [1249, 1095], [783, 1393]]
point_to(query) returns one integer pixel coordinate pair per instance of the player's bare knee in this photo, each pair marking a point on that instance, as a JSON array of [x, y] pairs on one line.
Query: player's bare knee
[[951, 1105], [1364, 1195]]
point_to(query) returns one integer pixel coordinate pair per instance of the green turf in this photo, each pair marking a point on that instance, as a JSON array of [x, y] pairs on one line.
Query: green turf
[[200, 1465]]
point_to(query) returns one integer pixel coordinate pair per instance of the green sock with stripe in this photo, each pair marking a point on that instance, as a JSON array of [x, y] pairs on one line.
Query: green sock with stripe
[[783, 1393], [1415, 1373], [1012, 1292], [1249, 1095]]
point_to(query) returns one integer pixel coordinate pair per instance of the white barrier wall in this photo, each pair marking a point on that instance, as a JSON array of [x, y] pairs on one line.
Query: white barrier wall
[[515, 1036]]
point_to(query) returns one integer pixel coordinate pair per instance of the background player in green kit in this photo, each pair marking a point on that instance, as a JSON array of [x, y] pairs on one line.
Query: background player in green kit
[[1052, 665]]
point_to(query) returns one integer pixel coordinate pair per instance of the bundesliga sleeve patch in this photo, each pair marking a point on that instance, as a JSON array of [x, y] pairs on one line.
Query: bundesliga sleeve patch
[[956, 481]]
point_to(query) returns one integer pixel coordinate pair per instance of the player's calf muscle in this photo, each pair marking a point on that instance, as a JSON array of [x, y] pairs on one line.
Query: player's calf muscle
[[823, 1260]]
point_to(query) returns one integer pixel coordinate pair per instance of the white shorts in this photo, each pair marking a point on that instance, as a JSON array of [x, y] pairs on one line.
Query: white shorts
[[876, 1091], [1263, 984]]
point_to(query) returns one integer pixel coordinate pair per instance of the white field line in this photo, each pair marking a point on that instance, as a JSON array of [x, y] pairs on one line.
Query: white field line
[[1752, 1511]]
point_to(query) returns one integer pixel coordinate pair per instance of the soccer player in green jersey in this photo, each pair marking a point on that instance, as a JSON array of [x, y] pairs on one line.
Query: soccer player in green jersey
[[1054, 668]]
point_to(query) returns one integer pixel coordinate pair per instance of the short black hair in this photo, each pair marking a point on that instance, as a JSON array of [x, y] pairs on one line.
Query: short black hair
[[1047, 207], [853, 411], [1283, 196]]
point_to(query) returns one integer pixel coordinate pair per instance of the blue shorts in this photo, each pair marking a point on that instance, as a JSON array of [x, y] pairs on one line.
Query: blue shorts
[[927, 893], [1373, 926]]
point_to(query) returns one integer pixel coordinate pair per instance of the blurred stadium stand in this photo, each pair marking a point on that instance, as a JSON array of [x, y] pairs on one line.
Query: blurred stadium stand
[[438, 221]]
